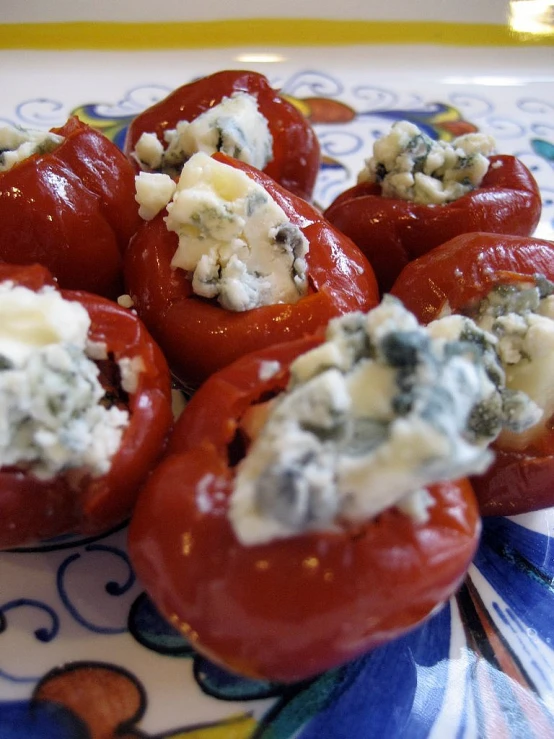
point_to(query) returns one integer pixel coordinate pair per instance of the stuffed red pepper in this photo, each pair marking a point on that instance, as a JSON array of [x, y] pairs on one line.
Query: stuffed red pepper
[[311, 506], [229, 262], [85, 411], [67, 201], [237, 113], [505, 283], [416, 193]]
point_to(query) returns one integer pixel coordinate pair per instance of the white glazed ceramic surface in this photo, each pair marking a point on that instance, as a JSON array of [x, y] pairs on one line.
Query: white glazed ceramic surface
[[72, 613], [493, 11]]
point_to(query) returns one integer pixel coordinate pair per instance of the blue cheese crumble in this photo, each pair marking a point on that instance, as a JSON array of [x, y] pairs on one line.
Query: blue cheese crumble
[[235, 242], [409, 165], [235, 126], [521, 318], [378, 412], [51, 414], [17, 144], [153, 192]]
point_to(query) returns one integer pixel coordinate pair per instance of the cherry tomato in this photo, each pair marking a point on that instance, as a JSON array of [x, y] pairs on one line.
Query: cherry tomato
[[287, 609], [72, 210], [296, 154], [455, 276], [32, 509], [392, 232], [198, 336]]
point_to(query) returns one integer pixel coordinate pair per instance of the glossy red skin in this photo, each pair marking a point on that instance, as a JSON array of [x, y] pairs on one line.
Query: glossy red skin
[[459, 273], [198, 336], [72, 210], [392, 232], [289, 609], [32, 509], [296, 153]]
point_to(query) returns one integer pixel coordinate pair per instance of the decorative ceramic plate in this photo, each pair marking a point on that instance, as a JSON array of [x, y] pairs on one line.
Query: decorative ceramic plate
[[83, 652]]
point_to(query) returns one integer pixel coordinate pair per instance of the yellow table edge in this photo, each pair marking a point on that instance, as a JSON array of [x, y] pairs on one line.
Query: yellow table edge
[[256, 32]]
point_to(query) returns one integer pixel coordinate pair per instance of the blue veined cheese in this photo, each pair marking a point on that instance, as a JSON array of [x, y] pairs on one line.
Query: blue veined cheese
[[51, 415], [409, 165], [235, 126], [16, 144], [235, 241], [521, 318], [381, 410]]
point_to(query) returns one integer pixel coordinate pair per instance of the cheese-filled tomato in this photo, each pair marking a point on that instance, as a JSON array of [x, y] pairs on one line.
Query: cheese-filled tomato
[[312, 504], [67, 201], [235, 112], [416, 193], [506, 284], [85, 408], [235, 263]]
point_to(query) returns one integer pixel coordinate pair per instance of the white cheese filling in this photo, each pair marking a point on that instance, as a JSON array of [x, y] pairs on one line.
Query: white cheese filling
[[381, 410], [17, 144], [51, 415], [235, 242], [235, 126], [409, 165], [521, 317], [153, 192]]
